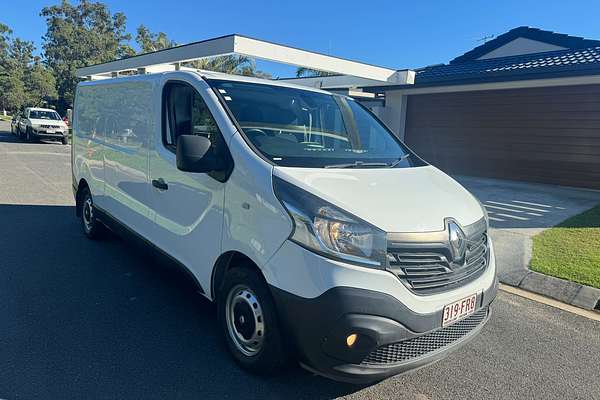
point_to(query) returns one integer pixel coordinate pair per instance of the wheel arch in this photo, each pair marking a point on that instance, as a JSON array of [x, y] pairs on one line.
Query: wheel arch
[[81, 186], [225, 262]]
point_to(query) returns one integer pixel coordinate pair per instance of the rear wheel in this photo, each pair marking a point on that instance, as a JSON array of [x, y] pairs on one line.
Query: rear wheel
[[92, 228], [249, 322]]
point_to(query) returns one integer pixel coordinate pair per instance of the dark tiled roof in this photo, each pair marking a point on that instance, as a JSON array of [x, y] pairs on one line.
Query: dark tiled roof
[[528, 66], [557, 39]]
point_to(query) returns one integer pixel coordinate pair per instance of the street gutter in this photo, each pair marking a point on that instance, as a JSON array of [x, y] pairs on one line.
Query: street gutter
[[593, 315]]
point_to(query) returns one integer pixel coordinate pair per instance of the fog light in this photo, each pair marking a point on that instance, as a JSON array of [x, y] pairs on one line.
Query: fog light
[[351, 339]]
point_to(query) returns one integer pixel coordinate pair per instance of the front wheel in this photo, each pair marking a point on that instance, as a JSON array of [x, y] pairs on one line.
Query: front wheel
[[65, 140], [249, 322]]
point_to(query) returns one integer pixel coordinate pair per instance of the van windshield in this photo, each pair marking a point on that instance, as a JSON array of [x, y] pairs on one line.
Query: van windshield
[[303, 128]]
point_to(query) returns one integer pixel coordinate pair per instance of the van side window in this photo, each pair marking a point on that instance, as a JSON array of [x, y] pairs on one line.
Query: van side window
[[186, 113]]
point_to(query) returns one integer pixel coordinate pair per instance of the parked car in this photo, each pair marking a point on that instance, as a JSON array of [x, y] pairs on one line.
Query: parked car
[[14, 124], [44, 124], [320, 236]]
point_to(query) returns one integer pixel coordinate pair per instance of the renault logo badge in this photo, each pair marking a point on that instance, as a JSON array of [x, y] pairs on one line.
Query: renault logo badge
[[458, 243]]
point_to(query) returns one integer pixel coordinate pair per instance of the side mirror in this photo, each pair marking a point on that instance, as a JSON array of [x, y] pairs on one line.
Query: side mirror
[[193, 154]]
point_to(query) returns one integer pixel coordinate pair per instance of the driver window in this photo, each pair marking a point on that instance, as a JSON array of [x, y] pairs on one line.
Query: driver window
[[186, 113]]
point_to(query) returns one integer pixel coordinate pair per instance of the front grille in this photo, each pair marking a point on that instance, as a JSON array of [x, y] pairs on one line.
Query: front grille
[[402, 351], [425, 268]]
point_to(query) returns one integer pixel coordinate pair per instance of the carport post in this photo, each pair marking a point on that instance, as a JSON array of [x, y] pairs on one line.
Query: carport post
[[394, 112]]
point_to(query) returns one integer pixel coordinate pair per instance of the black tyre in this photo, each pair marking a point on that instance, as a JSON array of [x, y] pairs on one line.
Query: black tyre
[[249, 322], [91, 226], [65, 140]]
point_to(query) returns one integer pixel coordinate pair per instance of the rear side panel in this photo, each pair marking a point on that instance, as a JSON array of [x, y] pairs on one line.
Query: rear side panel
[[113, 122], [88, 151]]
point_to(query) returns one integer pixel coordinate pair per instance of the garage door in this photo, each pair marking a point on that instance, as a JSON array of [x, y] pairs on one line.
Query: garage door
[[549, 135]]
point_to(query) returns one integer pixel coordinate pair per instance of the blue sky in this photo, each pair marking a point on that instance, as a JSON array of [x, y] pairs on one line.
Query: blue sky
[[395, 34]]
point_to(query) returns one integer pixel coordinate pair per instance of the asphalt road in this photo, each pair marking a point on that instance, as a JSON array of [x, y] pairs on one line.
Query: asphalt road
[[101, 320]]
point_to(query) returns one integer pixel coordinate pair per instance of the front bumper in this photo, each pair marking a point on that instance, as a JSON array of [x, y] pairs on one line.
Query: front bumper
[[391, 337], [49, 136]]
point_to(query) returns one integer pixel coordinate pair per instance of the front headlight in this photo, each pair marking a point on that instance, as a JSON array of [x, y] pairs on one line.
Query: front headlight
[[329, 231]]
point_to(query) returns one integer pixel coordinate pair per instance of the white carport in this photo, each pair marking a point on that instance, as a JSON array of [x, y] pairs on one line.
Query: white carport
[[170, 59]]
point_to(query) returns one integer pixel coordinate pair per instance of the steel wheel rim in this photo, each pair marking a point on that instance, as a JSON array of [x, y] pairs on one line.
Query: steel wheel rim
[[245, 321], [88, 214]]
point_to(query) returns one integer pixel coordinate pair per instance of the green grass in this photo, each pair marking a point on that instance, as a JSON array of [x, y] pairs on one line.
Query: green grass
[[571, 249], [5, 117]]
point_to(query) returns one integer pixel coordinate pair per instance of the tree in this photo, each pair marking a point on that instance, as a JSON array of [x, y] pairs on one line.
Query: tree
[[40, 85], [12, 89], [5, 33], [231, 64], [309, 72], [15, 57], [24, 80], [81, 34], [149, 41]]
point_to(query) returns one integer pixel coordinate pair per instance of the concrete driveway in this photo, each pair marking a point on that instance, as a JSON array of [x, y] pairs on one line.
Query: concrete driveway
[[520, 210]]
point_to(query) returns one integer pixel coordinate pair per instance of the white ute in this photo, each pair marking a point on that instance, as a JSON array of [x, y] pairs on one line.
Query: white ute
[[320, 236], [44, 124]]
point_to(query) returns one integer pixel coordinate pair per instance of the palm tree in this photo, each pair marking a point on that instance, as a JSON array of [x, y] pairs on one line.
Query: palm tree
[[231, 64], [226, 64], [303, 72]]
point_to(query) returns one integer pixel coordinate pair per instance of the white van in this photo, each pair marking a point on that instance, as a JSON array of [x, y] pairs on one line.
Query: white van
[[320, 236]]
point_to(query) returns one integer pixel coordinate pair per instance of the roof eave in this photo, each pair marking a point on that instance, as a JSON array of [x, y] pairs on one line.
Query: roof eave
[[490, 79]]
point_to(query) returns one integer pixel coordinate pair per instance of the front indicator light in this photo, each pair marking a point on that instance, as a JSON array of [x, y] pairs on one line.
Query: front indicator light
[[351, 339]]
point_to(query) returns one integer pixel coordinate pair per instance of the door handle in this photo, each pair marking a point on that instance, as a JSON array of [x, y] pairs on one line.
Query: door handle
[[160, 184]]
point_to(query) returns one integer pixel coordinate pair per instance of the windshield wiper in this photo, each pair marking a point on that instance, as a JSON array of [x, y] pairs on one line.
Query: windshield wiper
[[398, 161], [358, 164]]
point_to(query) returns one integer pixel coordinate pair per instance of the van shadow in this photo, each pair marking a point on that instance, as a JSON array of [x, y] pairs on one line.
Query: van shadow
[[91, 319]]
